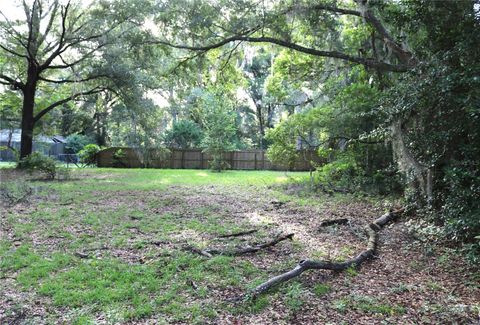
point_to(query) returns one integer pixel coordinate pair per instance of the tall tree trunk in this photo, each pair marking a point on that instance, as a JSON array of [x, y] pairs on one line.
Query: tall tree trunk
[[261, 125], [28, 120], [26, 144]]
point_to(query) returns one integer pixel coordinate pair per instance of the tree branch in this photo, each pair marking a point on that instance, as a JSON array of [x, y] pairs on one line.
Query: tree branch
[[11, 81], [403, 55], [300, 48], [73, 80], [306, 265], [66, 100], [6, 49]]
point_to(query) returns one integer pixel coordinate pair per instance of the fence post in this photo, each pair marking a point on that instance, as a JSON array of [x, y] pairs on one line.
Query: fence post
[[201, 159], [183, 159], [255, 155], [172, 157], [231, 159]]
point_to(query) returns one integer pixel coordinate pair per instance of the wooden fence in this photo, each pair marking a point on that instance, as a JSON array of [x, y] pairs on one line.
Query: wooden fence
[[196, 159]]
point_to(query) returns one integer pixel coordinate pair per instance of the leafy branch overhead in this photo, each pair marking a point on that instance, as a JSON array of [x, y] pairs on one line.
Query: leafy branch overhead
[[260, 34]]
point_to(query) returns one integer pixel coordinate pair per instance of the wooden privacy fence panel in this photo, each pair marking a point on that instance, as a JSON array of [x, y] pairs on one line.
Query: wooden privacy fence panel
[[196, 159]]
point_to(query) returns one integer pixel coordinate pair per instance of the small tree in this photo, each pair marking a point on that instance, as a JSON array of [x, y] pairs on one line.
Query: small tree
[[88, 155], [219, 129], [282, 151]]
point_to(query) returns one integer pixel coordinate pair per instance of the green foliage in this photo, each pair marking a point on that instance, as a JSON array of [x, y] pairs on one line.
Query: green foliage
[[118, 158], [184, 134], [437, 105], [321, 289], [341, 171], [219, 129], [88, 155], [41, 163], [343, 130], [76, 142], [14, 151], [152, 156], [294, 297], [283, 150], [367, 304]]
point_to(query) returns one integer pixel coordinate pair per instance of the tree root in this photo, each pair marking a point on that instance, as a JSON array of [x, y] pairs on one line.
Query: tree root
[[305, 265], [239, 251]]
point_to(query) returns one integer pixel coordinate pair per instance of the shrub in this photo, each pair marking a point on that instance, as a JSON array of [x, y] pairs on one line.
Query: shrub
[[118, 157], [88, 155], [76, 142], [38, 162], [342, 172]]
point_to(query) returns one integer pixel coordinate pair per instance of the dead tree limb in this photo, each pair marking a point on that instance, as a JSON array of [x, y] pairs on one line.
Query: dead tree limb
[[238, 234], [305, 265], [239, 251]]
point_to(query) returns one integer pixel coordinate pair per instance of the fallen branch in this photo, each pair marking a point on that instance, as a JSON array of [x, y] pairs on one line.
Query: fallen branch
[[305, 265], [238, 234], [197, 251], [241, 250], [81, 255], [340, 221]]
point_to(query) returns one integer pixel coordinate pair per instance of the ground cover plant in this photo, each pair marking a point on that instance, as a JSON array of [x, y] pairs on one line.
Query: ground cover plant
[[122, 246]]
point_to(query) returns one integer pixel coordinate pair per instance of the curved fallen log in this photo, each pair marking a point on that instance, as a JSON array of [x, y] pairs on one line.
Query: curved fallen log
[[239, 251], [305, 265]]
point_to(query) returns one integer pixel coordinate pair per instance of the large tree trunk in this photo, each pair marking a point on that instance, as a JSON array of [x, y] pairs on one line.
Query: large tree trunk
[[28, 119], [28, 122]]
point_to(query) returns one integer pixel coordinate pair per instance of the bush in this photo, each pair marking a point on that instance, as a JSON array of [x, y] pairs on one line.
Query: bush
[[76, 142], [38, 162], [88, 155]]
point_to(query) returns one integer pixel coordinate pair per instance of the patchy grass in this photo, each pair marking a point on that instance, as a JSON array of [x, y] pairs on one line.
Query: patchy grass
[[114, 246], [367, 305], [321, 289]]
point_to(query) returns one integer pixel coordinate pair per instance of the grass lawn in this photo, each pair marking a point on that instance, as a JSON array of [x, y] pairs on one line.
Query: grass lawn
[[113, 246]]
